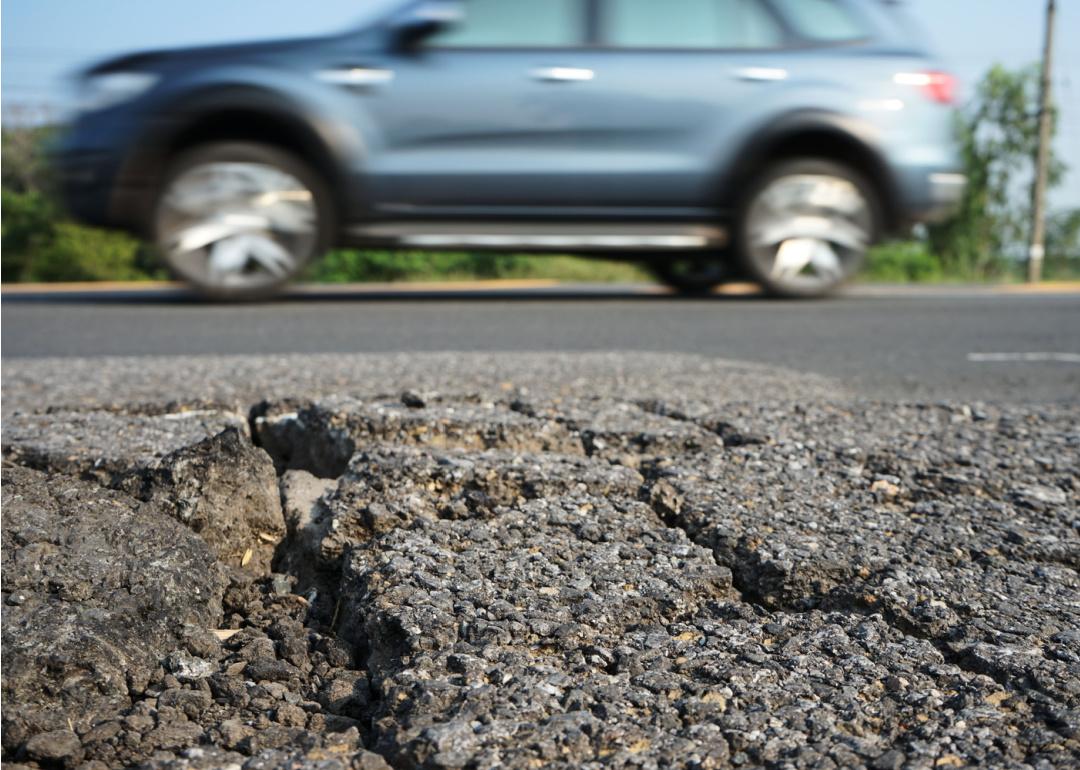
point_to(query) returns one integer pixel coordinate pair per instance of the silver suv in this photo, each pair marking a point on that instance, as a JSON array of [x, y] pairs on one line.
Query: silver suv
[[768, 139]]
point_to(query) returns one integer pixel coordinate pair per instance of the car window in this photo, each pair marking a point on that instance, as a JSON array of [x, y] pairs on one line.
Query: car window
[[826, 21], [690, 24], [516, 24]]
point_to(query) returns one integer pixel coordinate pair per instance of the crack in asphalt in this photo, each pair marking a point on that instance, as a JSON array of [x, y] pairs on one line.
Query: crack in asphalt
[[588, 557]]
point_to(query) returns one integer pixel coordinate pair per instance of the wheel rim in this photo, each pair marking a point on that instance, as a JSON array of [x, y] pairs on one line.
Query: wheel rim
[[809, 232], [237, 225]]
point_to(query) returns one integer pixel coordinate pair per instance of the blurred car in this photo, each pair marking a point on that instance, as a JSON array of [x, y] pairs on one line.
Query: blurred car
[[770, 139]]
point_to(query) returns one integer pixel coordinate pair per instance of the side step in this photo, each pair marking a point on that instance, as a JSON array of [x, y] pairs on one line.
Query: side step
[[546, 237]]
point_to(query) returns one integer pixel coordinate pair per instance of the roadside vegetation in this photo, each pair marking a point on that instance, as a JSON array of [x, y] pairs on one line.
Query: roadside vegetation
[[344, 266], [986, 242]]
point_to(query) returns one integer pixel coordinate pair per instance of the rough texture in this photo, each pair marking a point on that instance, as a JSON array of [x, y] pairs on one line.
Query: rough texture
[[322, 437], [125, 643], [238, 381], [105, 444], [333, 757], [578, 568], [97, 589], [854, 529], [225, 490], [387, 488], [542, 596]]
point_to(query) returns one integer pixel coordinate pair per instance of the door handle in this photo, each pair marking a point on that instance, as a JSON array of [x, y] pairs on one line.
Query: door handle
[[356, 76], [761, 74], [562, 74]]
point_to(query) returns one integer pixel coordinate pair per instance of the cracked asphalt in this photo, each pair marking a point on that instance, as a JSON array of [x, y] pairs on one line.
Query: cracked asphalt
[[480, 560]]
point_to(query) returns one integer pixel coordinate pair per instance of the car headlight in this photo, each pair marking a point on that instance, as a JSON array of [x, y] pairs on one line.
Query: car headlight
[[99, 92]]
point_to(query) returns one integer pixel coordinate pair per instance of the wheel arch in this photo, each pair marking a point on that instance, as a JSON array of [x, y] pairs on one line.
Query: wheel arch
[[246, 114], [816, 135]]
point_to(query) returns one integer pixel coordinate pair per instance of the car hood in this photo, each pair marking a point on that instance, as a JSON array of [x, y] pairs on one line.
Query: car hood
[[239, 53]]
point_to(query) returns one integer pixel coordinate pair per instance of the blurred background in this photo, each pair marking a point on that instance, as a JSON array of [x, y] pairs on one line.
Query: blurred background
[[992, 45]]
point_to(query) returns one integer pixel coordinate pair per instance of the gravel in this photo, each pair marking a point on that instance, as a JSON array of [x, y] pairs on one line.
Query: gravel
[[566, 563]]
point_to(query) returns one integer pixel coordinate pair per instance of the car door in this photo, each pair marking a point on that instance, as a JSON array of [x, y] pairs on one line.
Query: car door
[[674, 82], [597, 109], [483, 115]]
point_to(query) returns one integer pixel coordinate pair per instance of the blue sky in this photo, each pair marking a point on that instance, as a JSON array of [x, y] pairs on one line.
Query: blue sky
[[43, 39]]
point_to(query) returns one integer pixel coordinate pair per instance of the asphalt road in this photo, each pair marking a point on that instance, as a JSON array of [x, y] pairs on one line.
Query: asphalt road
[[655, 557], [926, 345]]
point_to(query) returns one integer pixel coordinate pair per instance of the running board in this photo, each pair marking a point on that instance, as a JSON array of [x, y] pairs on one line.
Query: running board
[[609, 237]]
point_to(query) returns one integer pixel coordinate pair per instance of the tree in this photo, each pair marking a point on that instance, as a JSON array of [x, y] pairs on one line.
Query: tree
[[25, 169], [998, 134]]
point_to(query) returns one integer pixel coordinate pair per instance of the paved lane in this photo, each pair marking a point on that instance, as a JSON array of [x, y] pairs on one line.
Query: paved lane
[[896, 344]]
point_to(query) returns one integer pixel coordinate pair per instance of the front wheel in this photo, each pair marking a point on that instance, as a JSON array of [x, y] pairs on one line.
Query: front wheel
[[239, 221], [805, 227]]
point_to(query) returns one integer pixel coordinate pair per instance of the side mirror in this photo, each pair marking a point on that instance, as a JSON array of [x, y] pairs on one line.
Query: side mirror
[[423, 19]]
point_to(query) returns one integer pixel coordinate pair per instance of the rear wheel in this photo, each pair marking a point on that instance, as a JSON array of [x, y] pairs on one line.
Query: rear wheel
[[239, 221], [691, 274], [806, 226]]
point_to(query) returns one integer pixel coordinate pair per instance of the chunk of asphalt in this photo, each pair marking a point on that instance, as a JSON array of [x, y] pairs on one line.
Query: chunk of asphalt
[[920, 521], [307, 524], [573, 633], [107, 444], [554, 579], [322, 437], [621, 431], [98, 588], [388, 486], [223, 488]]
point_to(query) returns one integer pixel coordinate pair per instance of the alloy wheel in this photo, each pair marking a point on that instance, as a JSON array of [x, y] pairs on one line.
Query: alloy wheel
[[807, 233], [237, 227]]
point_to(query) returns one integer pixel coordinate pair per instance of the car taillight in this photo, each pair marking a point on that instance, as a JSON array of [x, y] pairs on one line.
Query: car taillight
[[938, 86]]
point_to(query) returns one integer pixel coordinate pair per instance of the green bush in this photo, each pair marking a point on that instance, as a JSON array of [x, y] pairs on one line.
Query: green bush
[[903, 262], [28, 223], [40, 246], [84, 254]]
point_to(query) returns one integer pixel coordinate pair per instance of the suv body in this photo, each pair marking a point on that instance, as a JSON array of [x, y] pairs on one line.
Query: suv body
[[676, 132]]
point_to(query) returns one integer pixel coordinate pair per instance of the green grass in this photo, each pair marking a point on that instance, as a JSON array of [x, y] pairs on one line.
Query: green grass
[[564, 269], [417, 266]]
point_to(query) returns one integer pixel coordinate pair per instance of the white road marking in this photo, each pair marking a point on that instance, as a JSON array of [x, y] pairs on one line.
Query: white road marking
[[1025, 358]]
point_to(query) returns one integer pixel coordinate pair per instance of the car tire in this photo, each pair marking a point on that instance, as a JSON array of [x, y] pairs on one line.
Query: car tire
[[805, 226], [239, 221], [691, 275]]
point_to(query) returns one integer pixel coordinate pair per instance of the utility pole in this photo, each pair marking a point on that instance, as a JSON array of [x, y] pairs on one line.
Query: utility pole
[[1042, 158]]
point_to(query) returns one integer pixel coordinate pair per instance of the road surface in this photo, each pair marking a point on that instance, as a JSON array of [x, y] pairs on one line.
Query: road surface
[[907, 344], [513, 558]]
